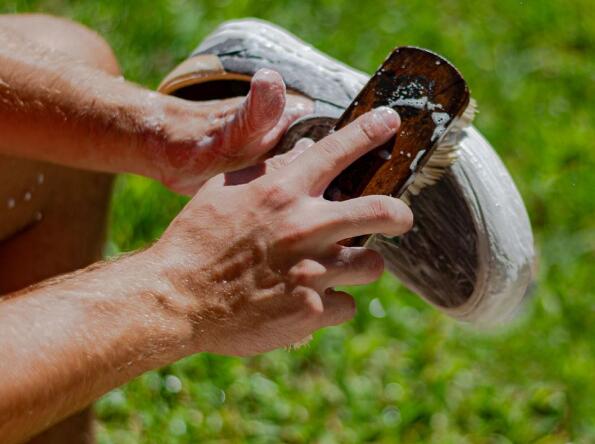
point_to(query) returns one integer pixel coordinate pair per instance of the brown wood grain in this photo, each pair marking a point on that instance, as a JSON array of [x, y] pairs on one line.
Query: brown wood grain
[[424, 89]]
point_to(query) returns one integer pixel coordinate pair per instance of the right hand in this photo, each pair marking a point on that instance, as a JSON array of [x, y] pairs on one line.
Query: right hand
[[253, 265]]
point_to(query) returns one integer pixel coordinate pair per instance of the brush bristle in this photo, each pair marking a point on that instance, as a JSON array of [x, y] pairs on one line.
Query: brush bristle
[[445, 154]]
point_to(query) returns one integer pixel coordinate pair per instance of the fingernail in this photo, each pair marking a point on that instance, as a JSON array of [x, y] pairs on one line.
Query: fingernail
[[388, 116], [266, 74]]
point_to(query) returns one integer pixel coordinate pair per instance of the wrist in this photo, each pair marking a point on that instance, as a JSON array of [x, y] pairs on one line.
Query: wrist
[[160, 328], [184, 280], [136, 124], [171, 131], [178, 294]]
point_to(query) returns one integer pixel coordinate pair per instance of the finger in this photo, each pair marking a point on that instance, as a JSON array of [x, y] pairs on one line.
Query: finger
[[327, 158], [350, 266], [338, 307], [252, 172], [284, 159], [295, 108], [302, 145], [260, 112], [316, 310], [281, 160], [364, 215], [306, 272]]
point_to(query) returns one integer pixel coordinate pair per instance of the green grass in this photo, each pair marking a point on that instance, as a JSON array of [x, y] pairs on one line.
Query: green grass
[[412, 375]]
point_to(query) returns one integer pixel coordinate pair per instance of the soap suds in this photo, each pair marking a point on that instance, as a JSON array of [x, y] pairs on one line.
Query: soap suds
[[440, 120], [403, 97], [413, 103], [418, 156]]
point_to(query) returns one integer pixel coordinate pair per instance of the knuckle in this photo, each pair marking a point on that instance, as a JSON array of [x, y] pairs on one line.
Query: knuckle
[[393, 211], [309, 302], [380, 210], [293, 236], [312, 304], [372, 263], [298, 275], [372, 129], [292, 233], [275, 195], [334, 150], [278, 162], [304, 272]]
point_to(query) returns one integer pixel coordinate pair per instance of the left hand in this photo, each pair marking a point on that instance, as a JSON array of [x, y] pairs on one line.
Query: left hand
[[195, 141]]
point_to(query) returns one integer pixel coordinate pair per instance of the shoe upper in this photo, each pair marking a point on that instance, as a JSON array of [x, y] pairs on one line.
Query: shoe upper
[[244, 46]]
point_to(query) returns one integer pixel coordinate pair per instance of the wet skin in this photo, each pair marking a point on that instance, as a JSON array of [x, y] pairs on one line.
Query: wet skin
[[243, 269]]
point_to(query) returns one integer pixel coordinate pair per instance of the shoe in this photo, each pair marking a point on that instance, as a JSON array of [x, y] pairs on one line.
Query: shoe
[[470, 253]]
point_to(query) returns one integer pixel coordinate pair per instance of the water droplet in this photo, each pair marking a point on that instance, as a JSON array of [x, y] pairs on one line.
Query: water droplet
[[10, 203], [376, 309], [173, 384], [38, 216], [27, 196]]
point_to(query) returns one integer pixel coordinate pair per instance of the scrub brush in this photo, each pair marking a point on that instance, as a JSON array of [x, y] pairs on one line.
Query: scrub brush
[[432, 99]]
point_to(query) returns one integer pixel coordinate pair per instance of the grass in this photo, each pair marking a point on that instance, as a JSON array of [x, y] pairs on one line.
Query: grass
[[400, 372]]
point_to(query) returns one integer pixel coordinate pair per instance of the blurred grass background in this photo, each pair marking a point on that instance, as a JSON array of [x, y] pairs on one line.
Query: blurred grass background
[[401, 371]]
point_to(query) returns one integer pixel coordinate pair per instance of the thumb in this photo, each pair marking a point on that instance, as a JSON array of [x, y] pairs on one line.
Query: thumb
[[260, 111]]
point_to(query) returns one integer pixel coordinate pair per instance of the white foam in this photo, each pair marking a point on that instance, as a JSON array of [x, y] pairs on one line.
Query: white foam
[[418, 156], [440, 119], [413, 103]]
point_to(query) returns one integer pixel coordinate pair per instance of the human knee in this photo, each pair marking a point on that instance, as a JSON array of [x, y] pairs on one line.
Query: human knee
[[66, 36]]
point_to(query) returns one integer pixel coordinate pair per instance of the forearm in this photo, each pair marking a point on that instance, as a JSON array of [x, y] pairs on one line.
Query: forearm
[[67, 342], [58, 109]]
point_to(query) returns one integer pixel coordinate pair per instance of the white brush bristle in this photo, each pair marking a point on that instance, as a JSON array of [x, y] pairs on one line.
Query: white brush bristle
[[445, 154]]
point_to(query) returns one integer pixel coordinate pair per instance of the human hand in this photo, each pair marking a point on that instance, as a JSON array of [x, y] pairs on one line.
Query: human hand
[[194, 141], [253, 265]]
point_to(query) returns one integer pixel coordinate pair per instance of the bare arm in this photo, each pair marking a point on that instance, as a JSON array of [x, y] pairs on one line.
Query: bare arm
[[243, 269], [67, 341], [61, 110]]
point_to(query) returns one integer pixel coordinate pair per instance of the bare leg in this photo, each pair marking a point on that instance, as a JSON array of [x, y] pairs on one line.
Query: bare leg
[[52, 218]]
